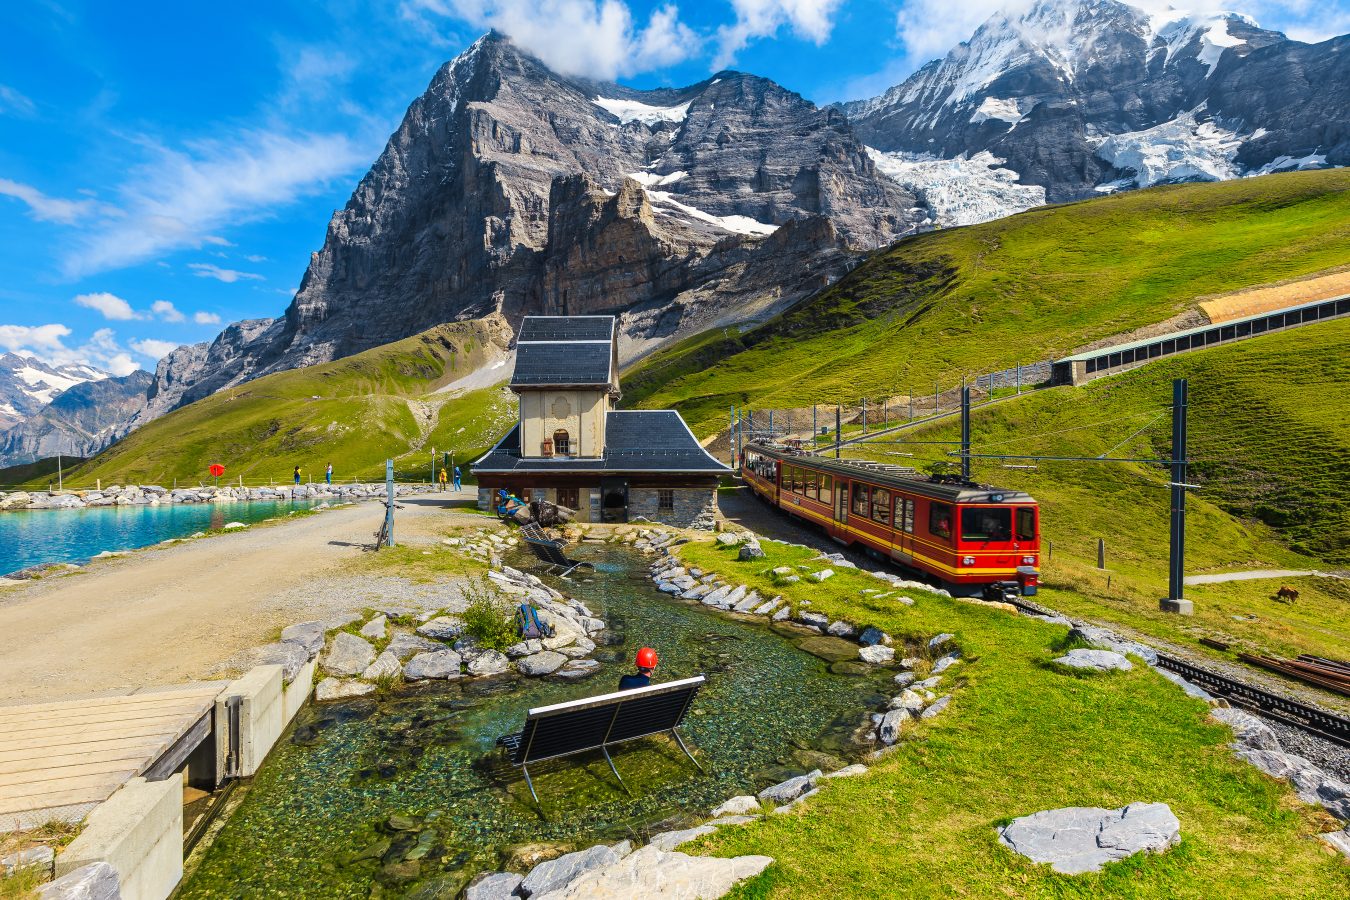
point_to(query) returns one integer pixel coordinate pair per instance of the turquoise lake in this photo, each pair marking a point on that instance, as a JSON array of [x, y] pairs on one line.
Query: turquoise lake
[[40, 536]]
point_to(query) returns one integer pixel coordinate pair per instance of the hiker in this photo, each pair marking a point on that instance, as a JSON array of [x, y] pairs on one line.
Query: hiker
[[328, 474], [442, 478], [646, 664], [297, 474], [457, 477]]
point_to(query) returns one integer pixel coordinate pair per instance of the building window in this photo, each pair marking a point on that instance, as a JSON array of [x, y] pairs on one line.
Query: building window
[[665, 500], [567, 497], [562, 443]]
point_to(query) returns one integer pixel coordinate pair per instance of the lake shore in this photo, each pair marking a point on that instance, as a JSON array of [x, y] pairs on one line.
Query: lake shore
[[182, 612]]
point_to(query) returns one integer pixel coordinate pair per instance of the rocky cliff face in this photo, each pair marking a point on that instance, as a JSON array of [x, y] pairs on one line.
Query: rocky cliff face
[[1076, 97], [508, 188], [80, 421]]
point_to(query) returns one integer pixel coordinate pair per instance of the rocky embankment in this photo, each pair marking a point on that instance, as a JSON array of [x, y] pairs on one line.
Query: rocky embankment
[[153, 494]]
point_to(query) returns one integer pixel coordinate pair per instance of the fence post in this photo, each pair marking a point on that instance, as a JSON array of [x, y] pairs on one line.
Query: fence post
[[1101, 553]]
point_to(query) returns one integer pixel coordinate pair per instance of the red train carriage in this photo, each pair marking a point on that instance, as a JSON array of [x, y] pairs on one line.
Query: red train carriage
[[967, 536]]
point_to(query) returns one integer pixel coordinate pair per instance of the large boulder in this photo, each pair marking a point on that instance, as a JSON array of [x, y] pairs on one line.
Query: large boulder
[[786, 791], [877, 654], [348, 655], [558, 873], [438, 664], [1251, 732], [385, 666], [442, 628], [493, 886], [669, 840], [1083, 839], [1310, 783], [652, 872], [489, 662], [888, 730], [545, 663], [404, 645], [737, 806], [341, 689], [309, 635], [1093, 660], [291, 657]]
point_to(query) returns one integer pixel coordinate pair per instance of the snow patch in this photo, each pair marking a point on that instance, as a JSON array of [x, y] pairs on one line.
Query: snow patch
[[1215, 38], [961, 191], [634, 111], [994, 108], [738, 224], [1290, 164], [1179, 150], [651, 179]]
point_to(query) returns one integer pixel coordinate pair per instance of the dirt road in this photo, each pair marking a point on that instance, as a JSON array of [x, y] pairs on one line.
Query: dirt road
[[175, 614]]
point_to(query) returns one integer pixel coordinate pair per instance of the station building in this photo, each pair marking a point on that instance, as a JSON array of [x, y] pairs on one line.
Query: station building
[[573, 448]]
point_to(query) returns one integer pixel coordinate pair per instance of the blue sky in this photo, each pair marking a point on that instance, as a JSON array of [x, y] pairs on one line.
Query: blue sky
[[167, 167]]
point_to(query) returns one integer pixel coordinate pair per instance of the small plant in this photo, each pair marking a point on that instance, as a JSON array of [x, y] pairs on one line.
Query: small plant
[[487, 618]]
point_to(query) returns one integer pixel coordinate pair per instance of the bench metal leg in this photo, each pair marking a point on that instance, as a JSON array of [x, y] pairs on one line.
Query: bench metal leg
[[679, 740], [531, 784], [605, 751]]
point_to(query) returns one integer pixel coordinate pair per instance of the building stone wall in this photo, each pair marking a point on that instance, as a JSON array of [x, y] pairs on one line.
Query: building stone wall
[[694, 507]]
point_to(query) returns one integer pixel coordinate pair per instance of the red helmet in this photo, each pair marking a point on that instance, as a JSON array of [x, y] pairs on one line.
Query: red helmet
[[646, 658]]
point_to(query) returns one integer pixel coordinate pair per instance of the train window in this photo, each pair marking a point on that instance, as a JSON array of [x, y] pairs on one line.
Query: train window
[[986, 523], [789, 478], [1026, 523], [904, 513], [826, 489], [881, 505], [861, 504], [940, 520], [812, 485]]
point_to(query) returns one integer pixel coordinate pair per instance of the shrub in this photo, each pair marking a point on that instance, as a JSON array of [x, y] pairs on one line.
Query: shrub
[[487, 618]]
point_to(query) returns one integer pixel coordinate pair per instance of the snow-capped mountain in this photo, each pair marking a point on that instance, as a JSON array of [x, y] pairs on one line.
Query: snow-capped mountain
[[80, 421], [27, 384], [1074, 97]]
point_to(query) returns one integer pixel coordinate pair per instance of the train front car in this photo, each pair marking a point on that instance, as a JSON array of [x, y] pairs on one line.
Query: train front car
[[971, 539]]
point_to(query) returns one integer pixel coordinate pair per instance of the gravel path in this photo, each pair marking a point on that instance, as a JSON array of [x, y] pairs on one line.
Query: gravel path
[[179, 613], [1251, 575]]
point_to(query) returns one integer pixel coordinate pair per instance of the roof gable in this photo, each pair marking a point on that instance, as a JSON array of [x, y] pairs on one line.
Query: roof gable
[[574, 351]]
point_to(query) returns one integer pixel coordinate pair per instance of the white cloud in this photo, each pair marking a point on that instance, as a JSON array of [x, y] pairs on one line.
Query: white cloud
[[206, 318], [811, 20], [592, 38], [46, 342], [229, 276], [12, 101], [167, 311], [182, 197], [217, 240], [255, 258], [110, 305], [155, 349], [49, 209]]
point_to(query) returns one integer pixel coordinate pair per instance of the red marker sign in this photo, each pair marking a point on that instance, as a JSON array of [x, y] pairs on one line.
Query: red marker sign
[[216, 470]]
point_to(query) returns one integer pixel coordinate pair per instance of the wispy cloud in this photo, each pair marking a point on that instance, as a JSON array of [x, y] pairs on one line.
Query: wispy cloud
[[167, 311], [110, 306], [15, 103], [47, 342], [50, 209], [153, 348], [183, 196], [229, 276], [206, 318], [594, 38]]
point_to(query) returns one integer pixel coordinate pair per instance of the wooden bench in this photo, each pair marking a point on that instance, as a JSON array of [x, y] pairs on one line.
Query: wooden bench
[[597, 723]]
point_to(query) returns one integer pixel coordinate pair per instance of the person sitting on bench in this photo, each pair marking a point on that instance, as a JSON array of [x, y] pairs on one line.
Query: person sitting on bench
[[646, 664]]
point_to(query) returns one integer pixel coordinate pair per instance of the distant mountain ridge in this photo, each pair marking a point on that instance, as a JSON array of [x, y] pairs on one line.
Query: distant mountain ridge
[[80, 421], [27, 384], [1069, 98]]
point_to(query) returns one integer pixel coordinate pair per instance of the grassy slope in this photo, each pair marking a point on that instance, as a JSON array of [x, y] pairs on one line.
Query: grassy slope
[[354, 412], [1267, 434], [1021, 737], [1025, 288]]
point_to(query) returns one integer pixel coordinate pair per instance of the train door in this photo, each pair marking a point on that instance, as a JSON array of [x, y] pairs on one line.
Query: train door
[[904, 528], [841, 503]]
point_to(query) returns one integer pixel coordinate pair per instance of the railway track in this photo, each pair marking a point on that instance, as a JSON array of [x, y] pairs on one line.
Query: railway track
[[1320, 722]]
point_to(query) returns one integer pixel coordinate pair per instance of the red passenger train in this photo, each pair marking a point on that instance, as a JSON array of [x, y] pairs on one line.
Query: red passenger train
[[973, 539]]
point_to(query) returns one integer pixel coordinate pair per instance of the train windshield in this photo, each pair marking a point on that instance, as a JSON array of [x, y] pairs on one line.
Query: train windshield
[[986, 523]]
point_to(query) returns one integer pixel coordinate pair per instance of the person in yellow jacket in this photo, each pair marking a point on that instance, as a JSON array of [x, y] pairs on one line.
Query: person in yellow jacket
[[443, 477]]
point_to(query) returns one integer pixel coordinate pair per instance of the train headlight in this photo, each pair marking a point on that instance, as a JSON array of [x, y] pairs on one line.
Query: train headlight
[[1028, 560], [967, 560]]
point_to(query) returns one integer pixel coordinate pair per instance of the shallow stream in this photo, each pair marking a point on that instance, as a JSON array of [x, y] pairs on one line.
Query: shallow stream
[[409, 797]]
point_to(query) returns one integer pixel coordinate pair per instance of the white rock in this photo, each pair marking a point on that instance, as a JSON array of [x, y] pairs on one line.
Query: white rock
[[442, 628], [848, 771], [821, 575], [231, 526], [669, 840], [348, 655], [96, 881], [341, 689], [877, 654], [654, 873], [375, 629], [385, 666], [489, 662], [439, 664], [1094, 660], [1083, 839], [737, 806]]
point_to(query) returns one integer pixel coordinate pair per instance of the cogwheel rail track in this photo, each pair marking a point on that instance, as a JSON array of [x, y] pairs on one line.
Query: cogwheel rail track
[[1320, 722]]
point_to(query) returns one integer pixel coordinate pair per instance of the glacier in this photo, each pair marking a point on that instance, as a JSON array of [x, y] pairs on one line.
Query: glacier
[[960, 191], [633, 111], [1182, 149]]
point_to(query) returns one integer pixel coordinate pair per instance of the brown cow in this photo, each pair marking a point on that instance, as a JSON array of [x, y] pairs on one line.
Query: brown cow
[[1286, 594]]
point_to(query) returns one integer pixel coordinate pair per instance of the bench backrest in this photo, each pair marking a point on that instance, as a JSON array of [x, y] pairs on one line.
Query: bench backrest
[[548, 552], [589, 723]]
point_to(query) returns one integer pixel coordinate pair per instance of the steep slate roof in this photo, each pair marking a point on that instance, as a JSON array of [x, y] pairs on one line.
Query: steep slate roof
[[636, 441], [556, 351]]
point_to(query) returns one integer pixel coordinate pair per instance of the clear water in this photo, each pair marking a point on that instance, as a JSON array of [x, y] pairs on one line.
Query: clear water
[[409, 797], [38, 536]]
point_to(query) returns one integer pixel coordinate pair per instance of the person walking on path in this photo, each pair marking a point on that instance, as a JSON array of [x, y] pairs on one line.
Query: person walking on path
[[297, 474], [442, 478], [328, 474], [457, 476]]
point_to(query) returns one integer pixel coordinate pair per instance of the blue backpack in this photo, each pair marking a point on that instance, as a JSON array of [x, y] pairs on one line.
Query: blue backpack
[[528, 623]]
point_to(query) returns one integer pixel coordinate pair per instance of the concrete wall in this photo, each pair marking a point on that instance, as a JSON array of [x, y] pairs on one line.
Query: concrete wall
[[580, 413], [262, 714], [296, 694], [690, 504], [139, 832]]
